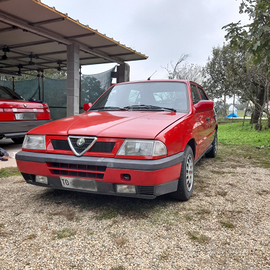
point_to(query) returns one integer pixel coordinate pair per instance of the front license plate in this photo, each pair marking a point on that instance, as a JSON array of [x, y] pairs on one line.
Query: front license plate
[[78, 183]]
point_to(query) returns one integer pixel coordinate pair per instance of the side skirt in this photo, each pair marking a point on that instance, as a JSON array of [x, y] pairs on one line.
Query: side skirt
[[206, 151]]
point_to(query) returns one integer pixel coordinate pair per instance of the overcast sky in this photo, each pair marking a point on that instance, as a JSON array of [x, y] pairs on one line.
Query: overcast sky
[[163, 30]]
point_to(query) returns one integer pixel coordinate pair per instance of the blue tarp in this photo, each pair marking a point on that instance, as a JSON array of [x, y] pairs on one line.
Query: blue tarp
[[232, 115]]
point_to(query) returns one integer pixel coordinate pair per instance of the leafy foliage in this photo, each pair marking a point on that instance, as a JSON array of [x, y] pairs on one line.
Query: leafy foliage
[[91, 89], [232, 71], [221, 70], [31, 75], [253, 37]]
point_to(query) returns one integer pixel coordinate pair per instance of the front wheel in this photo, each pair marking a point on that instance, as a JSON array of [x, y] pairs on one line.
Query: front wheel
[[186, 180]]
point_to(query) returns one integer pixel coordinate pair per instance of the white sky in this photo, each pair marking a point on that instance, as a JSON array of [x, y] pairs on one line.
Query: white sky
[[161, 29]]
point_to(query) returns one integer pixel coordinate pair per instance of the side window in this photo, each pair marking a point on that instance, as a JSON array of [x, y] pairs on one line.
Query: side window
[[195, 94], [203, 95]]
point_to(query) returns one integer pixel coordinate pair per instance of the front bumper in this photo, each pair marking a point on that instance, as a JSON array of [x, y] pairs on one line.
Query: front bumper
[[14, 129], [151, 178]]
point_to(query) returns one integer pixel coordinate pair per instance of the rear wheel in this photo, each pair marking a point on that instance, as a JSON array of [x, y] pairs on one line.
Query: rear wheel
[[186, 180]]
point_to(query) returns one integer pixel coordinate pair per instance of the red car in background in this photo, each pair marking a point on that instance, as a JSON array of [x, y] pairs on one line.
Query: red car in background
[[18, 116], [139, 139]]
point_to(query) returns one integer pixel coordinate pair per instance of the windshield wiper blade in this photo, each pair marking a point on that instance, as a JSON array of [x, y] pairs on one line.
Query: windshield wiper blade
[[109, 108], [168, 109], [148, 107]]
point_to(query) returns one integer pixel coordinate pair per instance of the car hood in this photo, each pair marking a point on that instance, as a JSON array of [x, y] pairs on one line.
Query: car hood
[[112, 124]]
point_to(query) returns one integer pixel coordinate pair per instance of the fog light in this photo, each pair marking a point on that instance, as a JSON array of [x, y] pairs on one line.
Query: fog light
[[41, 179], [125, 189]]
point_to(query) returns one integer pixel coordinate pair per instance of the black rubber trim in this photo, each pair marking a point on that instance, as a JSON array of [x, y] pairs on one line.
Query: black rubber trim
[[107, 188], [206, 151], [113, 163], [18, 128]]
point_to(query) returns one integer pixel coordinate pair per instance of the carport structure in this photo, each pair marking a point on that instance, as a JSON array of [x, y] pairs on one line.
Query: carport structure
[[34, 37]]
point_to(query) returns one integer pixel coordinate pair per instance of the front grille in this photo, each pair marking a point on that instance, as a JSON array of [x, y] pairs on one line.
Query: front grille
[[76, 170], [80, 145], [60, 145], [102, 147], [98, 147], [146, 190]]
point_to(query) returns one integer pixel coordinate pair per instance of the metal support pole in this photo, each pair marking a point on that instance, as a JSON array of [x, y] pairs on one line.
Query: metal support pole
[[13, 83], [80, 91], [43, 90], [39, 89]]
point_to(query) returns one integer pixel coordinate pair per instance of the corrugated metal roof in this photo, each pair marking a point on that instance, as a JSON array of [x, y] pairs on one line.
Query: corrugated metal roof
[[35, 36]]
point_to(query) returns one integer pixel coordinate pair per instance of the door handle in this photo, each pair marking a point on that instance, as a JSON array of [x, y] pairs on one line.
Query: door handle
[[207, 118]]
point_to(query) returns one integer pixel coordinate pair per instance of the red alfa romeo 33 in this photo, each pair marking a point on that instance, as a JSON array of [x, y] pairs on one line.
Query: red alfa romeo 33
[[139, 139]]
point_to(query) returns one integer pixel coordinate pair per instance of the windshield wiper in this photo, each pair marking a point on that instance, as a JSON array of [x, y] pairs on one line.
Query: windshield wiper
[[109, 108], [148, 107]]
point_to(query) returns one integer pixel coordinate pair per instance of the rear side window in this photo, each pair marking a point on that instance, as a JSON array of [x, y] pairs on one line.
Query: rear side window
[[203, 95], [195, 94]]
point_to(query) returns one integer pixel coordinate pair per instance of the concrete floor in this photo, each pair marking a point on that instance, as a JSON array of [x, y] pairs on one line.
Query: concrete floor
[[11, 148]]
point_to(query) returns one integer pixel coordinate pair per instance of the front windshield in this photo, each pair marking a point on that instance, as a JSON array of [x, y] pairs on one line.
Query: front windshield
[[145, 96]]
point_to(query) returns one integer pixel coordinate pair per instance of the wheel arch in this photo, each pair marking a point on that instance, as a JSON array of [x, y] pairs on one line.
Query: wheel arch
[[189, 140], [191, 143]]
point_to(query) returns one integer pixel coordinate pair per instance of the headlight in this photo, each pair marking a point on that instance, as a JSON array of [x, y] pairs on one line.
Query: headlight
[[34, 142], [142, 148]]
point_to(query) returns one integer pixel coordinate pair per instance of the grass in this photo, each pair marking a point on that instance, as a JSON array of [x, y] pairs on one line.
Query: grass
[[31, 236], [120, 267], [227, 224], [237, 142], [107, 214], [9, 171], [65, 233], [234, 134], [197, 237]]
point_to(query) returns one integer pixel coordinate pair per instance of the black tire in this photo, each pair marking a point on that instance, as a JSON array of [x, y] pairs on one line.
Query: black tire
[[18, 140], [186, 180], [213, 152]]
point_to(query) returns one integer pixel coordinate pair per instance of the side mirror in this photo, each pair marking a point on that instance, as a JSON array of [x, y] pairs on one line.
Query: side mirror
[[87, 106], [204, 105]]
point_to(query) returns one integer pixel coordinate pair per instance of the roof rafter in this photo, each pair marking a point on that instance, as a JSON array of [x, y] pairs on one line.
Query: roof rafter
[[55, 37]]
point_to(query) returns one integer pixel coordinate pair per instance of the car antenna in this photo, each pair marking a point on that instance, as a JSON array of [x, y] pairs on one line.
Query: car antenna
[[151, 76]]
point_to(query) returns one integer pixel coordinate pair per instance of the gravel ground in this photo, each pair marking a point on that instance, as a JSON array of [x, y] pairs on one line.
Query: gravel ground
[[225, 225]]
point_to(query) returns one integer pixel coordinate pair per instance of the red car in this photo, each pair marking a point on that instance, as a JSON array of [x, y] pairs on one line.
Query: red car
[[139, 139], [18, 116]]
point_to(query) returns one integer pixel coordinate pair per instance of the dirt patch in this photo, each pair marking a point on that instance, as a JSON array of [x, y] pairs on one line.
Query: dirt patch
[[225, 225]]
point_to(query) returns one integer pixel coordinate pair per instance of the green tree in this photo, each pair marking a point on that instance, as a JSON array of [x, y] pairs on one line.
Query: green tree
[[91, 89], [220, 81], [31, 75], [55, 74], [255, 39]]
